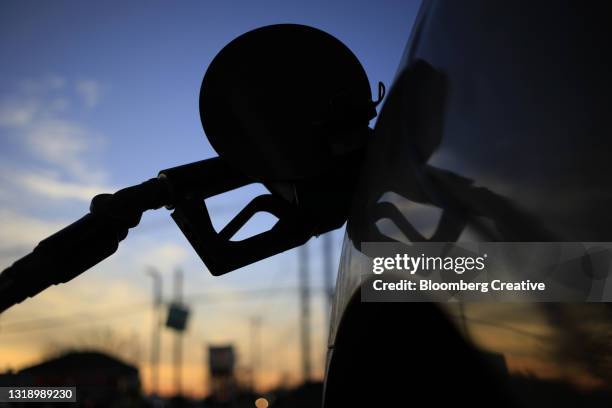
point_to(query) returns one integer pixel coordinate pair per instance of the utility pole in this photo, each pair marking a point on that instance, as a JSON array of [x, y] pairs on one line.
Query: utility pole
[[178, 336], [255, 326], [304, 272], [156, 333]]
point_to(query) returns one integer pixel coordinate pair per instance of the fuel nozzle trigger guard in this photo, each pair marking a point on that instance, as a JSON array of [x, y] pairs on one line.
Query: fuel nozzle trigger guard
[[220, 253]]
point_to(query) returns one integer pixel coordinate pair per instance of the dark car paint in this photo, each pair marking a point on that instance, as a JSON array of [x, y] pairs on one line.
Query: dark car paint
[[498, 120]]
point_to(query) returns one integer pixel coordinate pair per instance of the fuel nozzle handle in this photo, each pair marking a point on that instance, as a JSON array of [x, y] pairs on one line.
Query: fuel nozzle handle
[[93, 238]]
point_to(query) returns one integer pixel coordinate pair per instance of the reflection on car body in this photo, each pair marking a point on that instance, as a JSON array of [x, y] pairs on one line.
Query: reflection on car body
[[495, 129]]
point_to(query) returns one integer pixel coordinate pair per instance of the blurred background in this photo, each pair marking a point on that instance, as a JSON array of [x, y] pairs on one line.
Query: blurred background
[[95, 97]]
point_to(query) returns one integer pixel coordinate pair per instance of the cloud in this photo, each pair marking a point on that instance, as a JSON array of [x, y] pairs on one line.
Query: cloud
[[42, 85], [163, 256], [17, 114], [64, 144], [35, 117], [50, 186], [20, 233], [89, 91], [24, 230]]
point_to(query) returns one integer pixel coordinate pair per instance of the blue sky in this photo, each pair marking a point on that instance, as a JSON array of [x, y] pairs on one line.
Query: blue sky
[[98, 96]]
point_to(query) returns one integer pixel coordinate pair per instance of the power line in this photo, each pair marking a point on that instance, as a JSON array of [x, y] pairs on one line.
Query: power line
[[25, 329], [124, 310]]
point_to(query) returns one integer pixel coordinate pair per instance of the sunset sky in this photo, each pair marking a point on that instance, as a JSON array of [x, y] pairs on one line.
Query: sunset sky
[[98, 96]]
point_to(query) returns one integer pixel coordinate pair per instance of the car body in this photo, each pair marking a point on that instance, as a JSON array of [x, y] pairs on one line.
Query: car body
[[495, 129]]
